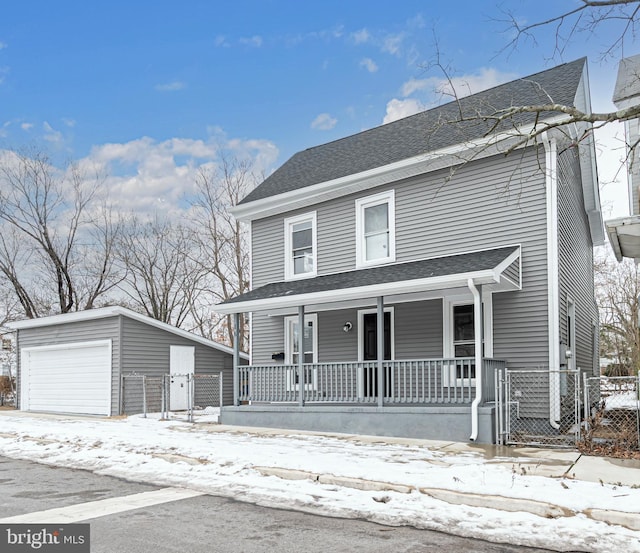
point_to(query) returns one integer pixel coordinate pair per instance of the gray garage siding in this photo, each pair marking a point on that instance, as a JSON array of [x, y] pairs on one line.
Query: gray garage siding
[[145, 350], [81, 331]]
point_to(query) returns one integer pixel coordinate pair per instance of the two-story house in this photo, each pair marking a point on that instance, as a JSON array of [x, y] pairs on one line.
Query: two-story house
[[393, 271]]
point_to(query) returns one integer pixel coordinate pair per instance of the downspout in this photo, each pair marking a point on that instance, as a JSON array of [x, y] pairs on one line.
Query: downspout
[[477, 325], [236, 359], [553, 308]]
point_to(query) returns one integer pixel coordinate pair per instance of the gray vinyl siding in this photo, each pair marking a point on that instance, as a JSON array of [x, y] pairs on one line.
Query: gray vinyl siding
[[82, 331], [575, 261], [418, 333], [145, 351], [486, 204]]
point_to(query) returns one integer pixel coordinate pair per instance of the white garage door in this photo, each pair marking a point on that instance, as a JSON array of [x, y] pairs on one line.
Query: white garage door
[[69, 378]]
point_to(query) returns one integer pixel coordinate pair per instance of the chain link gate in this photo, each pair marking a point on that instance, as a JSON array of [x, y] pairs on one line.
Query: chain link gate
[[538, 407], [203, 395]]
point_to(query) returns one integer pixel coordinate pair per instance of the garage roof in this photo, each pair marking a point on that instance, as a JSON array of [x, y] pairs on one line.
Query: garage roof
[[114, 311]]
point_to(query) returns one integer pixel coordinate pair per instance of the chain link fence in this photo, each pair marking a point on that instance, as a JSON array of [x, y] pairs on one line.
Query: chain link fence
[[189, 397], [538, 407], [612, 415], [142, 394], [599, 415]]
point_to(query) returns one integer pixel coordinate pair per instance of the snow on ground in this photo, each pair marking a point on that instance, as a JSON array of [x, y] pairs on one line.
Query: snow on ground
[[175, 453]]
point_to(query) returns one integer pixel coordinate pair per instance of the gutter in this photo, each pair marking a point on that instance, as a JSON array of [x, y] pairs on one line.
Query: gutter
[[477, 324]]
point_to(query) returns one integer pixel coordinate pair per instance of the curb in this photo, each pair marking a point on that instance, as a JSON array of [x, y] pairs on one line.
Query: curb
[[543, 509]]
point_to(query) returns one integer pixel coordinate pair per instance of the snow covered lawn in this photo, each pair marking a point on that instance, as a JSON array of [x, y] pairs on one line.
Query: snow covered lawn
[[244, 466]]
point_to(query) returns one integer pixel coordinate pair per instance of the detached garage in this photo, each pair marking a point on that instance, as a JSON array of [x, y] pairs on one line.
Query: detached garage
[[73, 363]]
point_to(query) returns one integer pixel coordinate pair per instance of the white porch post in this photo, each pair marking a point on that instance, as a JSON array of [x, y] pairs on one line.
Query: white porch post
[[301, 355], [236, 358], [380, 352]]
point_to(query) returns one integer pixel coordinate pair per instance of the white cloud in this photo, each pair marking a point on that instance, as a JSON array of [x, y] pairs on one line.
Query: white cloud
[[69, 122], [397, 109], [361, 37], [324, 122], [413, 85], [3, 45], [51, 135], [221, 41], [4, 71], [145, 175], [171, 87], [465, 85], [255, 40], [393, 43], [26, 126], [369, 65]]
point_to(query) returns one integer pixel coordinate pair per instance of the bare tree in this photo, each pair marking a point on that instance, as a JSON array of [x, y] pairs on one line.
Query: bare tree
[[223, 242], [584, 20], [162, 279], [46, 234], [617, 294]]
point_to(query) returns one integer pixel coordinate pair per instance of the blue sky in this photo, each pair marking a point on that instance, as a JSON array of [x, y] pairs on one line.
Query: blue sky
[[150, 90]]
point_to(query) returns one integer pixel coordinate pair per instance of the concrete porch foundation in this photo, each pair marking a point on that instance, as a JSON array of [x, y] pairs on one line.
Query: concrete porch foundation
[[431, 423]]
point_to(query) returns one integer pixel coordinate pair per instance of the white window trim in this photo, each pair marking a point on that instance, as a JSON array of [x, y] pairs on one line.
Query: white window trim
[[361, 314], [371, 201], [288, 350], [288, 259], [450, 377]]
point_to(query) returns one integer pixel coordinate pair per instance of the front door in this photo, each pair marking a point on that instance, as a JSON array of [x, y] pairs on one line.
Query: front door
[[181, 364], [370, 349]]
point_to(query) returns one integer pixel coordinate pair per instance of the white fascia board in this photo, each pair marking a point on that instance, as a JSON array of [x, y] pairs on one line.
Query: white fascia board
[[487, 276], [365, 180], [113, 311]]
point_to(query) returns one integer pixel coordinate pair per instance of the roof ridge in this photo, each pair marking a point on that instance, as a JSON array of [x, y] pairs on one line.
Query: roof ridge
[[442, 106]]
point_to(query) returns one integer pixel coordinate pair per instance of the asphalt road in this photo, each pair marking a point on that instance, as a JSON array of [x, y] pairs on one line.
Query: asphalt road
[[207, 524]]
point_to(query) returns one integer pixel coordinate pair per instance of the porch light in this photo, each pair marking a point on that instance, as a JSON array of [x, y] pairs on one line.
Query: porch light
[[347, 326]]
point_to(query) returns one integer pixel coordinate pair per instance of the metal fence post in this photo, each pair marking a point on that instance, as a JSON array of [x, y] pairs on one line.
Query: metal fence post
[[144, 396], [220, 388], [190, 399], [162, 396]]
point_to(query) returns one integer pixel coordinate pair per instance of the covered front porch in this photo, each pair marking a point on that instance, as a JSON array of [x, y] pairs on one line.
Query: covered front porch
[[332, 353]]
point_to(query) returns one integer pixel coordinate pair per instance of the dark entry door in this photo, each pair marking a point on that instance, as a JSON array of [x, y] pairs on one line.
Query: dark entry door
[[370, 349]]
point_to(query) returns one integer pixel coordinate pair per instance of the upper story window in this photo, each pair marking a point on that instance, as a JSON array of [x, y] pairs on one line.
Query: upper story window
[[300, 246], [375, 229]]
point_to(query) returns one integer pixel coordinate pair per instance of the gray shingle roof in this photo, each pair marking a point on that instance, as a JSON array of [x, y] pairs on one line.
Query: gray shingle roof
[[421, 133], [401, 272]]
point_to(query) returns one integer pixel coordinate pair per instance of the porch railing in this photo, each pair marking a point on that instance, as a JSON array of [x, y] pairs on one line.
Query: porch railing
[[419, 381]]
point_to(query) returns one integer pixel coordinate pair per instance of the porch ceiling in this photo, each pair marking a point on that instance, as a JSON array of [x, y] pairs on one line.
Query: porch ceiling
[[412, 281], [624, 235]]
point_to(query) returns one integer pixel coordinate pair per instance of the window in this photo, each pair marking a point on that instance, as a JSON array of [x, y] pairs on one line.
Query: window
[[293, 339], [463, 331], [459, 343], [309, 340], [375, 229], [300, 246]]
